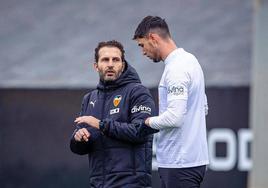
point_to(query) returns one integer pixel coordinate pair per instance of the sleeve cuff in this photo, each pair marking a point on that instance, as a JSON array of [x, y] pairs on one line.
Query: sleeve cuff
[[104, 126], [153, 123]]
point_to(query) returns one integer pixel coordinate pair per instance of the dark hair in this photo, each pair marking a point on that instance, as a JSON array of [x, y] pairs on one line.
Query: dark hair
[[111, 43], [152, 24]]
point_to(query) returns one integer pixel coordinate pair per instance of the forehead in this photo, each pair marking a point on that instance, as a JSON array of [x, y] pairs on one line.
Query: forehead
[[109, 52]]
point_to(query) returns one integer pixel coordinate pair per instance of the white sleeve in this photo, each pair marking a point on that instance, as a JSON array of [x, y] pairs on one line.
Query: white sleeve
[[176, 85], [172, 117]]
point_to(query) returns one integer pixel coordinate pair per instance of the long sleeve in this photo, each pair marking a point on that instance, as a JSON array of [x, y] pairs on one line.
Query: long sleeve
[[173, 91], [82, 148], [172, 117], [142, 106]]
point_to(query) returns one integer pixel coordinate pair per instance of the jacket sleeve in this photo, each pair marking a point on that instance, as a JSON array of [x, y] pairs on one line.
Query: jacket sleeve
[[82, 148], [141, 107]]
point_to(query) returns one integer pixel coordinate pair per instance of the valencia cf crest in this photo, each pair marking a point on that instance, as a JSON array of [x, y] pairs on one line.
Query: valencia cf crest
[[117, 100]]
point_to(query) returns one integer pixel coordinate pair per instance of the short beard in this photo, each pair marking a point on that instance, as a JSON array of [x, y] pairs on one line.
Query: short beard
[[102, 77], [156, 60], [157, 57]]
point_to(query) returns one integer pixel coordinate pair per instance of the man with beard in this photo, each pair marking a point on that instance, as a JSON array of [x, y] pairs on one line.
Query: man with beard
[[181, 147], [110, 128]]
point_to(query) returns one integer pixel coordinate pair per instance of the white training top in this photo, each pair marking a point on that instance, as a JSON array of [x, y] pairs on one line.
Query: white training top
[[181, 141]]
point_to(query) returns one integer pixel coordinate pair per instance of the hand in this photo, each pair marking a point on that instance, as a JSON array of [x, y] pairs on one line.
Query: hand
[[82, 135], [147, 122], [90, 120]]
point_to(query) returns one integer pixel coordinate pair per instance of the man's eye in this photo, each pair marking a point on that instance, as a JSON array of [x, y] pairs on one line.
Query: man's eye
[[116, 59]]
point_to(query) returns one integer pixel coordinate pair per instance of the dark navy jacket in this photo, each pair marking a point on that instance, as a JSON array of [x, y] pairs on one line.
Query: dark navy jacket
[[120, 155]]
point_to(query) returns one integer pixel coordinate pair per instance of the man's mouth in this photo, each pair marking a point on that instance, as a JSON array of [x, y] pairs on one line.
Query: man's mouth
[[110, 73]]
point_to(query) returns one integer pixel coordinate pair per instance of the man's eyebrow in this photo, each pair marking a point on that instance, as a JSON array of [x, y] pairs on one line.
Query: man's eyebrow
[[104, 58]]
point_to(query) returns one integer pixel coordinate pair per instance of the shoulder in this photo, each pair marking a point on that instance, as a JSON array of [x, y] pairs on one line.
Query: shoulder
[[183, 63], [138, 87], [89, 94], [183, 59], [181, 69], [136, 90], [185, 55]]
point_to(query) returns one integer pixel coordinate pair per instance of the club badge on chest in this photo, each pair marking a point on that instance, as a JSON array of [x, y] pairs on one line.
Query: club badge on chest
[[116, 102]]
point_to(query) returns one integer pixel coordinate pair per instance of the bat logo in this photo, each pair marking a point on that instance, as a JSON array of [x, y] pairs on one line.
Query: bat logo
[[117, 100]]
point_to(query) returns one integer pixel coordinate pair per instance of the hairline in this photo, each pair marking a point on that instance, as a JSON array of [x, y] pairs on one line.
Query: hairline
[[110, 46]]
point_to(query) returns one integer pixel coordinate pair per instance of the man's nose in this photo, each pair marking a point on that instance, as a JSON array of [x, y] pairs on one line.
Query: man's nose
[[110, 63]]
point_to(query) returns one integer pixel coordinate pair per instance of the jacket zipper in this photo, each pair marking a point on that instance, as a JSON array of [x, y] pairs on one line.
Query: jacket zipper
[[103, 158], [134, 160]]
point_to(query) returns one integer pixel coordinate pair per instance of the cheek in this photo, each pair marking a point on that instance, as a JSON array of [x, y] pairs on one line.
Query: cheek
[[100, 69], [149, 52], [119, 68], [145, 50], [102, 66], [150, 48]]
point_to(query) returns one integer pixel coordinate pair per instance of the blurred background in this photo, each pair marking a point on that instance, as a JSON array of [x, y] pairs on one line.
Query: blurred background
[[46, 55]]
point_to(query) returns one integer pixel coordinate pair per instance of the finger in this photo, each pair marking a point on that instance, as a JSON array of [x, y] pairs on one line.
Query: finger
[[85, 132], [77, 119], [82, 134], [85, 138], [77, 122], [77, 137], [80, 120]]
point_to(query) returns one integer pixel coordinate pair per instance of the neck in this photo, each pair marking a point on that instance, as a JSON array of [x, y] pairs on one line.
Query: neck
[[167, 47]]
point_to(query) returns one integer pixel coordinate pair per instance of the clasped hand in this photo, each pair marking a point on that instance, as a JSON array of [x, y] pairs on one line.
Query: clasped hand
[[90, 120], [83, 134]]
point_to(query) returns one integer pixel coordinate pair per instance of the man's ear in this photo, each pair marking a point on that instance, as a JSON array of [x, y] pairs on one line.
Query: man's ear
[[154, 38], [95, 66]]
